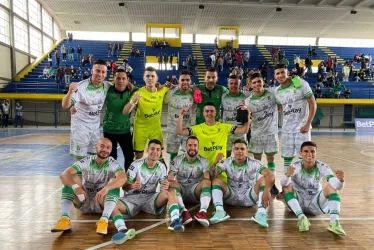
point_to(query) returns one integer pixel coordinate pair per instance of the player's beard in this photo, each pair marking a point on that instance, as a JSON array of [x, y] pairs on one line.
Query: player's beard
[[192, 152], [101, 155]]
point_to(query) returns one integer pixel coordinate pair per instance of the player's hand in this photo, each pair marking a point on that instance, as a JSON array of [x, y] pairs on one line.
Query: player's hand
[[266, 199], [73, 110], [304, 129], [340, 175], [100, 196], [73, 87], [218, 158], [184, 110], [290, 171], [170, 177], [165, 185], [130, 86], [168, 84], [136, 98], [137, 184], [80, 191], [158, 86]]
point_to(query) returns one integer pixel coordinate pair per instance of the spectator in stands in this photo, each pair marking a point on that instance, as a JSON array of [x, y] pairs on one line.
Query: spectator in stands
[[70, 35], [132, 53], [91, 59], [45, 73], [165, 60], [345, 72], [85, 60], [171, 60], [86, 75], [5, 108], [79, 53], [59, 75], [63, 52], [338, 88], [137, 53], [213, 60], [113, 66], [356, 77], [109, 49], [52, 72], [308, 64], [309, 51], [109, 65], [216, 42], [284, 61], [74, 73], [114, 47], [19, 115], [174, 80], [57, 55], [118, 49], [317, 92], [347, 93], [297, 59], [50, 59], [159, 60], [220, 64], [80, 73], [71, 53], [67, 74], [330, 93]]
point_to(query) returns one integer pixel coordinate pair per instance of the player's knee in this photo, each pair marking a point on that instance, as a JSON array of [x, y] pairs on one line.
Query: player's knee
[[287, 188], [206, 183], [217, 181], [172, 192]]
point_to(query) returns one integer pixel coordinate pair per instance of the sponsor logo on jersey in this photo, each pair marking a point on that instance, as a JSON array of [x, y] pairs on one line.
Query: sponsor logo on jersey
[[231, 119], [293, 110], [266, 115], [94, 113], [154, 113], [213, 147], [185, 116]]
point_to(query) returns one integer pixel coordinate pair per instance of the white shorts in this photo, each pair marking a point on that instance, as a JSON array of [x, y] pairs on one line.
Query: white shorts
[[291, 143], [188, 193], [267, 144], [90, 205], [174, 142], [231, 139], [136, 203], [316, 204], [242, 197], [83, 140]]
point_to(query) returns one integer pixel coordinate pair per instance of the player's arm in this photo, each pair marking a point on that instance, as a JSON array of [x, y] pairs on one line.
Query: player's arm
[[335, 180], [269, 182], [67, 100], [131, 104], [218, 166], [312, 110], [67, 178], [180, 130], [133, 180], [286, 178], [117, 182], [245, 128]]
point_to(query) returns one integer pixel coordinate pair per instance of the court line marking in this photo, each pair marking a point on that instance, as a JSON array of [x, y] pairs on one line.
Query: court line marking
[[346, 160], [232, 219], [363, 152], [138, 231]]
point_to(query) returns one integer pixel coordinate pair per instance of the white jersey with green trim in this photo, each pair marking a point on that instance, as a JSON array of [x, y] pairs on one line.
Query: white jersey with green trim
[[294, 104], [88, 101], [264, 113], [189, 172], [176, 101], [148, 177], [95, 177], [229, 105], [310, 183], [244, 176]]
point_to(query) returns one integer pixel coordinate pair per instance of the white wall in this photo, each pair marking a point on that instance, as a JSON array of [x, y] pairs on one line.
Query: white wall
[[22, 61], [6, 67]]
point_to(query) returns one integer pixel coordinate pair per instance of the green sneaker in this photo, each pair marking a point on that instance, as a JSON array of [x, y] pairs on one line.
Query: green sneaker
[[219, 216], [336, 228], [260, 218], [303, 224]]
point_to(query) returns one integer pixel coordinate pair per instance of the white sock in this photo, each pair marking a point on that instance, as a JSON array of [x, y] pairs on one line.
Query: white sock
[[174, 212], [180, 202], [334, 207], [217, 199], [108, 209], [120, 224], [66, 208], [260, 208], [295, 206], [205, 198]]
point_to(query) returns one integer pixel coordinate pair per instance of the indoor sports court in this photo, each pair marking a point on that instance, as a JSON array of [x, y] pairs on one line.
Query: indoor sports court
[[32, 159]]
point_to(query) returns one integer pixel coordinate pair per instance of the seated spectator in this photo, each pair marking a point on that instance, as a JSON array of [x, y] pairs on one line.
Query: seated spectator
[[330, 93], [52, 72], [80, 73], [132, 53], [137, 53], [108, 65], [59, 75], [114, 66], [74, 73], [347, 93], [50, 59], [85, 60], [338, 88], [45, 73], [317, 92]]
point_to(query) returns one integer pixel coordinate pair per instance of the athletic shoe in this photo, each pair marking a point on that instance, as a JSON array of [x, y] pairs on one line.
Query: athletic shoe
[[102, 227], [63, 224], [260, 218], [274, 190], [303, 224], [202, 218], [280, 196], [186, 217], [336, 228], [176, 225], [123, 235], [219, 216]]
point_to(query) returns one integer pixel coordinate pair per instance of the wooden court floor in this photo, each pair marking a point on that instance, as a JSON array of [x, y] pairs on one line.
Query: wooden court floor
[[30, 161]]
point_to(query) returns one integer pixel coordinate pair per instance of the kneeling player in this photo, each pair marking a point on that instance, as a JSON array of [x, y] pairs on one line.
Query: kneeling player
[[143, 177], [193, 181], [303, 190], [243, 187], [92, 185]]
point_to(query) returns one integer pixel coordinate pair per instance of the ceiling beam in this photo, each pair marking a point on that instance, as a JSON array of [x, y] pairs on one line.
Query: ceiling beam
[[362, 3], [340, 3], [301, 1], [265, 22], [327, 27], [280, 1], [196, 23], [321, 2]]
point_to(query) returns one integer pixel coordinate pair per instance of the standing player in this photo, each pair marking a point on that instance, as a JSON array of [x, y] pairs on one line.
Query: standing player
[[303, 192], [177, 99], [244, 187], [88, 97], [143, 177], [210, 92], [193, 181], [299, 107], [212, 135], [147, 122], [92, 185], [230, 102], [117, 125], [264, 126]]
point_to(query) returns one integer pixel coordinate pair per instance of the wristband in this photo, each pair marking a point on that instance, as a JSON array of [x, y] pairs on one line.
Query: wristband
[[75, 186]]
